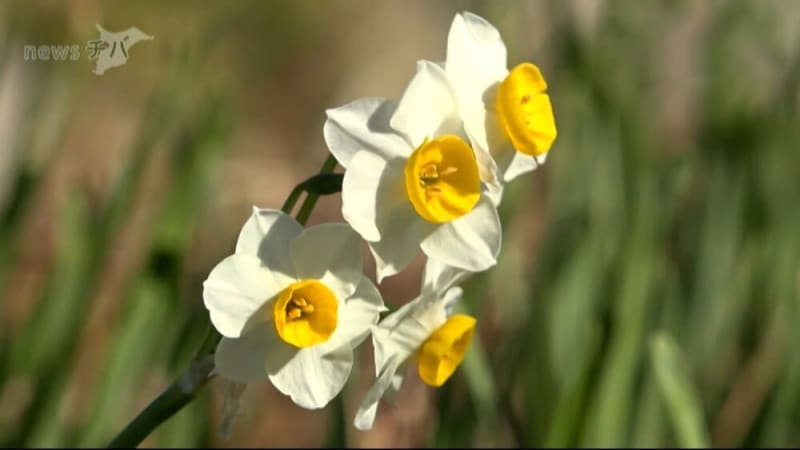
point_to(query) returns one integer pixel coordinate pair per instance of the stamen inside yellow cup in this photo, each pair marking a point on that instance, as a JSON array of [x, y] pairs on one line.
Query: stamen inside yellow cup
[[305, 313], [442, 179]]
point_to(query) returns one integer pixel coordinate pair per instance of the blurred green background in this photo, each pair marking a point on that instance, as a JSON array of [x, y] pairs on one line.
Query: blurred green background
[[648, 289]]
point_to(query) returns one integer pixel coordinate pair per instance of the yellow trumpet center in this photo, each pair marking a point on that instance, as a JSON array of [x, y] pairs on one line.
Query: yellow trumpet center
[[442, 179], [525, 112], [442, 352], [305, 313]]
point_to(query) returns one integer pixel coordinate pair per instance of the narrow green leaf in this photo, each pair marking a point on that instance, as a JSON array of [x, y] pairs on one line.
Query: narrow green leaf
[[684, 409], [479, 377], [132, 352]]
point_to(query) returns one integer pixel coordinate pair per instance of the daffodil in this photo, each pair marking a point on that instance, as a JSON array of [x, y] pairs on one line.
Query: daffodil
[[506, 114], [412, 180], [291, 304], [424, 331]]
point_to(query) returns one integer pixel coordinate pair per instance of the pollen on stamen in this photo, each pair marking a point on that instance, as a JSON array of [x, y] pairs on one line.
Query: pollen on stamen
[[448, 171], [429, 174], [294, 314]]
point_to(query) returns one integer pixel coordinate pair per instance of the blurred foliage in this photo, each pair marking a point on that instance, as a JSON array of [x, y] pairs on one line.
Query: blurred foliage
[[649, 285]]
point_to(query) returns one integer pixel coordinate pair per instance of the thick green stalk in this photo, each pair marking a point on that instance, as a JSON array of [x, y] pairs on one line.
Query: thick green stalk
[[184, 389], [173, 399]]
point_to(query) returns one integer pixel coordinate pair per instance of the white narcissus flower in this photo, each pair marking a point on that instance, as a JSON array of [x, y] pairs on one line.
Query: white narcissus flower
[[507, 115], [412, 180], [423, 330], [291, 304]]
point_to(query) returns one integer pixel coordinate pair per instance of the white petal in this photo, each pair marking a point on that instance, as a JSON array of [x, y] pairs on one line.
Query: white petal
[[503, 157], [237, 287], [426, 319], [542, 158], [330, 252], [400, 242], [233, 361], [365, 416], [428, 106], [492, 184], [520, 164], [313, 377], [451, 297], [266, 234], [249, 357], [489, 142], [438, 277], [403, 331], [471, 242], [397, 338], [394, 388], [509, 163], [494, 192], [476, 62], [357, 316], [476, 54], [377, 207], [361, 190], [363, 125], [392, 320], [384, 348]]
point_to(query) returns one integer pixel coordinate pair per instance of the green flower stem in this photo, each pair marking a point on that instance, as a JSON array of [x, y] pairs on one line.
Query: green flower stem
[[184, 389], [291, 200], [173, 399], [311, 198]]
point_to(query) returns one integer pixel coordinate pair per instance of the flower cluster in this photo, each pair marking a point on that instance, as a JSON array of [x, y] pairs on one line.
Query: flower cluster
[[425, 173]]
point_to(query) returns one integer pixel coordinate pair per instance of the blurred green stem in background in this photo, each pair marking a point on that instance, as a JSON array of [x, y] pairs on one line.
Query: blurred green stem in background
[[193, 379], [675, 386]]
